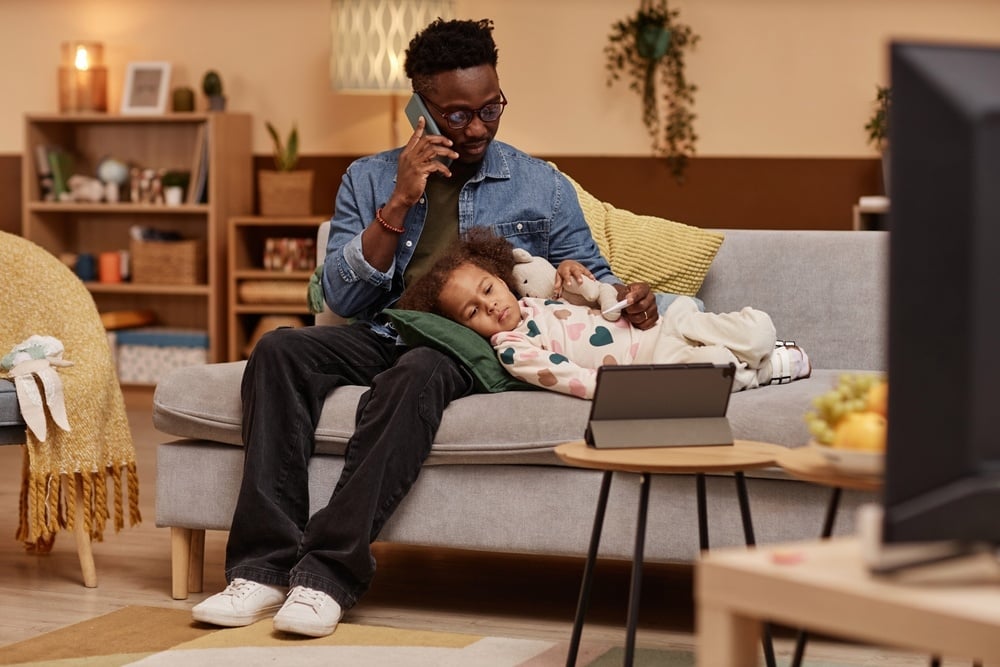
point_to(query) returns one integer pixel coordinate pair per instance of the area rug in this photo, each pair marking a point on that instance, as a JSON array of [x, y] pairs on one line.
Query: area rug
[[155, 637]]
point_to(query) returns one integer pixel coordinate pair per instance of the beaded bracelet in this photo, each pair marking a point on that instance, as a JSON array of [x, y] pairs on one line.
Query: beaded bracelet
[[381, 221]]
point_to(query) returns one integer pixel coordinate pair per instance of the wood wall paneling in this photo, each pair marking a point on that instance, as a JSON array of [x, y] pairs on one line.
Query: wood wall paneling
[[721, 192], [10, 194]]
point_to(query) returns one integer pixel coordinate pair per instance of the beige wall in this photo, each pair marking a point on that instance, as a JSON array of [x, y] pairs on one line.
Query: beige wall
[[776, 77]]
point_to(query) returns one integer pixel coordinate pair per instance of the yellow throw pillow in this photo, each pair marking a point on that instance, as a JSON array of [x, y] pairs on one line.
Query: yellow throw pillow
[[670, 256]]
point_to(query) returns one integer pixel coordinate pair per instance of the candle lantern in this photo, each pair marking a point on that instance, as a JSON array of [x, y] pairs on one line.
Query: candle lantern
[[83, 78]]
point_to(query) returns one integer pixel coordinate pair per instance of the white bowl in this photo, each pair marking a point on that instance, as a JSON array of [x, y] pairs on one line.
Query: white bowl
[[851, 461]]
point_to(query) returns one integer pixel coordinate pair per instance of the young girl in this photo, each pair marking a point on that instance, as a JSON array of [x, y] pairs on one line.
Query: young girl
[[559, 346]]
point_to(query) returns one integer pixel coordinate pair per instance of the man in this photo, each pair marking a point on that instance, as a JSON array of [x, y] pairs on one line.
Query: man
[[395, 212]]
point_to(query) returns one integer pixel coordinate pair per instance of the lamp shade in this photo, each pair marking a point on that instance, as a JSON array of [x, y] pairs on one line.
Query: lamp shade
[[370, 38]]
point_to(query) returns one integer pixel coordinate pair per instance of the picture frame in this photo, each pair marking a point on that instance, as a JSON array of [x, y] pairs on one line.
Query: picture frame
[[147, 86]]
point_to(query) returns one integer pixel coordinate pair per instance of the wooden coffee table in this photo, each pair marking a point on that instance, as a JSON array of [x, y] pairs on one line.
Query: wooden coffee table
[[740, 456]]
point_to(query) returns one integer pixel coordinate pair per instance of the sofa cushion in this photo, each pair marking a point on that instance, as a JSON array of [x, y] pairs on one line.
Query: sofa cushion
[[465, 345], [671, 256], [203, 403]]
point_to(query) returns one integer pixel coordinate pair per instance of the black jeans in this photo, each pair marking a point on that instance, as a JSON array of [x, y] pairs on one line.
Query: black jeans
[[273, 540]]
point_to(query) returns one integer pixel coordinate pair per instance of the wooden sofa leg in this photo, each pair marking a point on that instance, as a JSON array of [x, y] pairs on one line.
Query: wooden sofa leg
[[83, 545], [196, 562], [180, 554]]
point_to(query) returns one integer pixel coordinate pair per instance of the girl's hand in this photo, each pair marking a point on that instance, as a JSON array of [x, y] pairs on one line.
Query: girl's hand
[[569, 271], [641, 311]]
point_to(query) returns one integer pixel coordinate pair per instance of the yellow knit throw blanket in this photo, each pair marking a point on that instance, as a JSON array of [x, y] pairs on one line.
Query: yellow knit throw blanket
[[42, 296]]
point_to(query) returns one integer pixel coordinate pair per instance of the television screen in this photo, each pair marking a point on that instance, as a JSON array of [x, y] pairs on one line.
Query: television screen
[[942, 477]]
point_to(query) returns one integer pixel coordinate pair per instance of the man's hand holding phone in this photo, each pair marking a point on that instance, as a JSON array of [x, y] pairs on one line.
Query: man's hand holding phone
[[418, 161]]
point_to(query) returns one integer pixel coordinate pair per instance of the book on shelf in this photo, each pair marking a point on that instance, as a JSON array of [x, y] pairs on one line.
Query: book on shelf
[[197, 186], [46, 186], [61, 165], [54, 166]]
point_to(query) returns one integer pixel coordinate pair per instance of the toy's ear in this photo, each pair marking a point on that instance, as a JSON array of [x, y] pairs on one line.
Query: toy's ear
[[521, 256]]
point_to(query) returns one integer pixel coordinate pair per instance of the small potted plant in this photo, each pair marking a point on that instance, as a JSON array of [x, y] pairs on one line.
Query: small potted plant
[[877, 129], [648, 47], [285, 191], [175, 185], [211, 85]]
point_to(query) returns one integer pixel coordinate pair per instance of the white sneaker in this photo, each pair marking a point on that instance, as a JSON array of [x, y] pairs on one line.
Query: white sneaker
[[789, 362], [308, 612], [242, 603]]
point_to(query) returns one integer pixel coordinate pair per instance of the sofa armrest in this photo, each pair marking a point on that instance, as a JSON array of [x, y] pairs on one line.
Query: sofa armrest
[[327, 317]]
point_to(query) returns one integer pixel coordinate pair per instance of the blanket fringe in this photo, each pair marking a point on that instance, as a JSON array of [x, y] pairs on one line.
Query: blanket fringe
[[48, 503]]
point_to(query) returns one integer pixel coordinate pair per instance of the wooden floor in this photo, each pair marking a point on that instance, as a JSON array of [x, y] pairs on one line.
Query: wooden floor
[[456, 591]]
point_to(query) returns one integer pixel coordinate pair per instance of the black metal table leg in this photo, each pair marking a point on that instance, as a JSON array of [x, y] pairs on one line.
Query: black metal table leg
[[744, 498], [828, 521], [702, 511], [637, 557], [588, 571]]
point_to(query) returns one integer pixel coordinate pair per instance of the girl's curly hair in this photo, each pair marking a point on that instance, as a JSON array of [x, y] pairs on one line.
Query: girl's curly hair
[[479, 246], [444, 46]]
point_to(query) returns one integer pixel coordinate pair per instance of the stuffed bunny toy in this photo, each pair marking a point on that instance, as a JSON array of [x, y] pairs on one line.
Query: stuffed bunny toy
[[535, 277], [34, 362]]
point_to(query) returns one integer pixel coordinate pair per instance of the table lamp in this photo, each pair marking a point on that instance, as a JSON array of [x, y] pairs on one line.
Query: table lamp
[[83, 78], [369, 45]]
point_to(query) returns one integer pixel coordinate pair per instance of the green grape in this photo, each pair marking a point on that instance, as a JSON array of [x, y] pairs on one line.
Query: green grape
[[850, 394]]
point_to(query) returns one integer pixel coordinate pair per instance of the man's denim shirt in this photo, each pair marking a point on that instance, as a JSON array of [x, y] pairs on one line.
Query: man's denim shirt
[[522, 198]]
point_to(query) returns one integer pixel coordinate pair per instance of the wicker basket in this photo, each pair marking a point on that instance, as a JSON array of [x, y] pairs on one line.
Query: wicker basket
[[285, 192], [168, 262]]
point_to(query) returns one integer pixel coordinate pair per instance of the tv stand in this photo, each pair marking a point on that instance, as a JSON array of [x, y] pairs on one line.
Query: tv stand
[[889, 559]]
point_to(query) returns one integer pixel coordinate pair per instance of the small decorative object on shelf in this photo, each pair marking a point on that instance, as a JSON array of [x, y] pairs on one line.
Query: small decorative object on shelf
[[211, 85], [114, 174], [147, 85], [83, 78], [183, 99], [649, 47], [175, 184], [289, 254], [284, 191]]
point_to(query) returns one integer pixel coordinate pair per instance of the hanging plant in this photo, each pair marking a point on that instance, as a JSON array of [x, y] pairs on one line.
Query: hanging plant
[[648, 48]]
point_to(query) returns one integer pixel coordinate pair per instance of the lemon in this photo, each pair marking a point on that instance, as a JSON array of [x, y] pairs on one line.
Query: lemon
[[861, 431]]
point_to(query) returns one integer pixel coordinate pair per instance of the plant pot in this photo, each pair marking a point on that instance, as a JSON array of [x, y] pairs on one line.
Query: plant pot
[[652, 41], [285, 193], [216, 102], [173, 195]]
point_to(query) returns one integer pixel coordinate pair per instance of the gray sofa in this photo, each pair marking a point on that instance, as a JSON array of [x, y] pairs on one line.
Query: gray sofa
[[487, 486]]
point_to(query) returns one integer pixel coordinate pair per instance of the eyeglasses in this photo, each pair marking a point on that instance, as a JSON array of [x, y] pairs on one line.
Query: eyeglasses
[[461, 118]]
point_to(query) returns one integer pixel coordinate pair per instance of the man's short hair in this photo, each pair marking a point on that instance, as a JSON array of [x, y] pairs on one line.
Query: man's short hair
[[444, 46]]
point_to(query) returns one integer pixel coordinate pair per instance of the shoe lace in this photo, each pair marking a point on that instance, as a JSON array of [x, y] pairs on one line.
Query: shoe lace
[[307, 596], [240, 588]]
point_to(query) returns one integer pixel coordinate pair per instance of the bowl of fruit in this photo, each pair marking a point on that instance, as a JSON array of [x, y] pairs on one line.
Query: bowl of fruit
[[848, 424]]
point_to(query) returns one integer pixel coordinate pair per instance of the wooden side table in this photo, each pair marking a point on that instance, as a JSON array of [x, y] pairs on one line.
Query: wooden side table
[[825, 586], [741, 455], [809, 465]]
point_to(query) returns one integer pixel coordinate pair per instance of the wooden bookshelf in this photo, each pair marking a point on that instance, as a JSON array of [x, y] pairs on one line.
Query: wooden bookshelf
[[171, 141]]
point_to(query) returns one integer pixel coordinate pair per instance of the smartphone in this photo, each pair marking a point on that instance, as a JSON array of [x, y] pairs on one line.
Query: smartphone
[[416, 108]]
